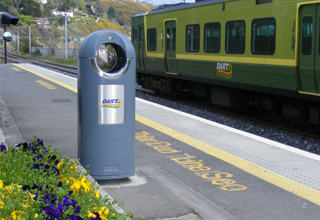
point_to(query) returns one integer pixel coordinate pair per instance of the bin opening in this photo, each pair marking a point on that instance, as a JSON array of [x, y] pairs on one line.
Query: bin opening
[[110, 58]]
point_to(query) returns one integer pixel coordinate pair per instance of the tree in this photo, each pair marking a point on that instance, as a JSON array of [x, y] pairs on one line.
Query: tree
[[60, 21], [67, 5], [89, 10], [9, 2], [47, 9], [50, 5], [30, 7], [41, 8], [4, 7], [26, 19], [99, 11], [64, 7], [120, 21], [111, 12], [73, 4]]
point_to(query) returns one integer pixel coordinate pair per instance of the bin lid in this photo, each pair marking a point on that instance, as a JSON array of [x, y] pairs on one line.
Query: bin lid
[[93, 41]]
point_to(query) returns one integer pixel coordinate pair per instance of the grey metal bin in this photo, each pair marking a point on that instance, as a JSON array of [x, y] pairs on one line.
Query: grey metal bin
[[106, 105]]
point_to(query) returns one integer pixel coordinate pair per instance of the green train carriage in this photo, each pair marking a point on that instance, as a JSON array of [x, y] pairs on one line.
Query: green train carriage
[[259, 52]]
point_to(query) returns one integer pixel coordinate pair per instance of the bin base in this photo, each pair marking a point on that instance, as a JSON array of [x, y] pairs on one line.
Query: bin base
[[112, 177], [115, 181]]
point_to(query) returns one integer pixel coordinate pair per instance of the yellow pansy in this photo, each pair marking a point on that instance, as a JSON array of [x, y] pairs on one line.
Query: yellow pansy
[[14, 216], [102, 212], [59, 164], [96, 193], [1, 184], [89, 214], [9, 189], [1, 204], [76, 185], [85, 184]]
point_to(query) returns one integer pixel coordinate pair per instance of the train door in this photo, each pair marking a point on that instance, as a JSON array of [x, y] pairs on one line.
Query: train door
[[170, 37], [309, 48], [141, 47]]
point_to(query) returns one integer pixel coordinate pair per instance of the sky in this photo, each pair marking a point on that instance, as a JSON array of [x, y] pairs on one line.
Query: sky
[[161, 2]]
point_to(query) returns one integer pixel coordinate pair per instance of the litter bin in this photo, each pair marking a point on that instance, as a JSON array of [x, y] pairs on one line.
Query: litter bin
[[106, 105]]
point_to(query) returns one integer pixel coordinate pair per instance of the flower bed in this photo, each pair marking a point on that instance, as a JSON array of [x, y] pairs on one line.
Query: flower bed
[[36, 183]]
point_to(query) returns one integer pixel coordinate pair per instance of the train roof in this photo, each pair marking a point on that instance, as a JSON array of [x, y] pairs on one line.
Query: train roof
[[170, 7]]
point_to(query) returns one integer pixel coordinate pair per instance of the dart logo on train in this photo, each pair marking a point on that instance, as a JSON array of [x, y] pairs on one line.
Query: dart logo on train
[[224, 70]]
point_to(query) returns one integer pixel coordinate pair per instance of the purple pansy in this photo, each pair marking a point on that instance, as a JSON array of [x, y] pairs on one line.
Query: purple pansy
[[52, 205], [3, 148], [74, 217]]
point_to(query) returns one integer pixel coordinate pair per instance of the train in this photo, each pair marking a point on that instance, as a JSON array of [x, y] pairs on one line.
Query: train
[[236, 53]]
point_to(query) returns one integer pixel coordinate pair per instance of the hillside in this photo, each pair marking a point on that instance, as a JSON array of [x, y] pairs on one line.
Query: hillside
[[120, 11], [88, 17], [125, 7]]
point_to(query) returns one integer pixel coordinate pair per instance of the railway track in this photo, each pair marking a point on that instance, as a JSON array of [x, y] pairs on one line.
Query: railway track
[[13, 58]]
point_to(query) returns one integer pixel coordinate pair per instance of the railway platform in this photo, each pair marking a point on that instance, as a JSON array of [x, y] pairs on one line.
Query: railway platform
[[186, 167]]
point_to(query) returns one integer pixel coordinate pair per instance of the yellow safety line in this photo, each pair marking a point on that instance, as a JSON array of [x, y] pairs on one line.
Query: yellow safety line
[[49, 79], [172, 73], [16, 69], [267, 175], [309, 93]]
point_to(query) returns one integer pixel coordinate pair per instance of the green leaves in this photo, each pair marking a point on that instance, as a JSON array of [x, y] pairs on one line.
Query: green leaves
[[37, 183]]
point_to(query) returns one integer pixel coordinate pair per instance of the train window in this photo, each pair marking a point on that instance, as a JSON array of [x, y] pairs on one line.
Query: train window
[[141, 33], [306, 35], [152, 39], [212, 37], [168, 38], [193, 38], [135, 35], [263, 1], [263, 36], [235, 37], [174, 39]]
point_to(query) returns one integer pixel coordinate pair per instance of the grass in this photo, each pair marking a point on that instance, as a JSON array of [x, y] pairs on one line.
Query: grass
[[69, 61]]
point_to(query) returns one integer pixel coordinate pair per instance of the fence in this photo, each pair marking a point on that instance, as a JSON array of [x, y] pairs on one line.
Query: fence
[[56, 52]]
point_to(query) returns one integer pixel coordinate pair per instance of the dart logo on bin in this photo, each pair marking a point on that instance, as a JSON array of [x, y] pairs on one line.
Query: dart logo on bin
[[111, 103]]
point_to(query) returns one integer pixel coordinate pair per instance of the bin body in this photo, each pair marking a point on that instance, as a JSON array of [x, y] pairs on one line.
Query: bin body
[[106, 108]]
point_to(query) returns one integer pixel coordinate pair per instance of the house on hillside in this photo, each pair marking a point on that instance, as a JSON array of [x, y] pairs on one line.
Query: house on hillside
[[41, 21], [42, 1], [62, 13]]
